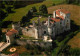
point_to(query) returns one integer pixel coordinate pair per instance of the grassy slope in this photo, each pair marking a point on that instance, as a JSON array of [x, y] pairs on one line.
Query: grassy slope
[[19, 13], [75, 41], [74, 10]]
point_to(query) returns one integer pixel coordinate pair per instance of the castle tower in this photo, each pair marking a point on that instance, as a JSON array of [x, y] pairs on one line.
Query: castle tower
[[49, 26], [35, 29], [67, 21]]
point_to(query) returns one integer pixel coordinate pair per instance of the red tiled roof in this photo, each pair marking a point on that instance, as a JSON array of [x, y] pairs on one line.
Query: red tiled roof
[[62, 17], [56, 20], [62, 10], [51, 22], [11, 32]]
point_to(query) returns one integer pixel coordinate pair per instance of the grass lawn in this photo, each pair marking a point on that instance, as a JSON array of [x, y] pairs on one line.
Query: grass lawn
[[35, 19], [75, 41], [27, 37]]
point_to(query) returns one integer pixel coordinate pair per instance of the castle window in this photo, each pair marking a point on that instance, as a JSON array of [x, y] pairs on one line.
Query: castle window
[[60, 22], [54, 24], [44, 32], [67, 20]]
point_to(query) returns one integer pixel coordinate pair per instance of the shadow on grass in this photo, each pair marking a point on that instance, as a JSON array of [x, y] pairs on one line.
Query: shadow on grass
[[6, 23], [66, 36]]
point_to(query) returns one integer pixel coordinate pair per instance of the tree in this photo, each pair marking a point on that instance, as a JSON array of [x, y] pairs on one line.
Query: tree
[[0, 31], [30, 14], [34, 9], [73, 1], [3, 14], [2, 4], [23, 20], [43, 9], [9, 9]]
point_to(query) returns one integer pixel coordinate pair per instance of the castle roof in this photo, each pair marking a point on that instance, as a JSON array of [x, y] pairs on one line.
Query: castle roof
[[56, 20], [11, 32], [62, 10]]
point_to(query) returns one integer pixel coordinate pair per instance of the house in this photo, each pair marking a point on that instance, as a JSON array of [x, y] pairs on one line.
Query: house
[[10, 35]]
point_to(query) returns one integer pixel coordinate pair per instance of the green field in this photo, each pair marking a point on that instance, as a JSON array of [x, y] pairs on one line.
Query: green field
[[19, 13]]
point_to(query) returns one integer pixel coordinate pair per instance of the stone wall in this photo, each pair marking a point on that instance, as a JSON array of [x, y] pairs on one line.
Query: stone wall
[[39, 43]]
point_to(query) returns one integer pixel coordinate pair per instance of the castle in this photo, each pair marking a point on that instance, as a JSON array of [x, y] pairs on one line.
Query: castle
[[45, 30], [57, 24]]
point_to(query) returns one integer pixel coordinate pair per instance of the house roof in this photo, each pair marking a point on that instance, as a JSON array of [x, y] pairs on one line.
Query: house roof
[[11, 32]]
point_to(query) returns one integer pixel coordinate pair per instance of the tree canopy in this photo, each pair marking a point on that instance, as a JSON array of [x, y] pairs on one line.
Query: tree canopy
[[43, 9]]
